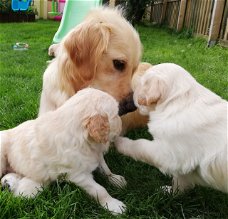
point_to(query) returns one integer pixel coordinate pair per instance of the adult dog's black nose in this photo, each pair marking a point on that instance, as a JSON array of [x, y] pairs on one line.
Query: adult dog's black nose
[[127, 105]]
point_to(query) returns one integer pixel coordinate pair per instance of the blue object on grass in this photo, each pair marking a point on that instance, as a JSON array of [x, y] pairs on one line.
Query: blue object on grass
[[20, 5]]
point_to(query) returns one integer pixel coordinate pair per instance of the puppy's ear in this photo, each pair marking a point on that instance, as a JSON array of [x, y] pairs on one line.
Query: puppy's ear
[[138, 73], [151, 92], [98, 128], [86, 44]]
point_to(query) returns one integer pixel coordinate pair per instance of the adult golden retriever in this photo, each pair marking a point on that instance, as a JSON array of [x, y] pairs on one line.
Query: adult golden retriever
[[70, 140], [189, 126], [102, 52]]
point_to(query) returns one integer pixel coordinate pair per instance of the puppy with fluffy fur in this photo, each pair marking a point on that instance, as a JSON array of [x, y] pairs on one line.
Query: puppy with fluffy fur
[[189, 126], [70, 140]]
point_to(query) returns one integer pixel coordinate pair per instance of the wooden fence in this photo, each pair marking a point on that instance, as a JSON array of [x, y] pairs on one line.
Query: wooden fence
[[163, 12], [223, 35], [198, 16], [203, 17]]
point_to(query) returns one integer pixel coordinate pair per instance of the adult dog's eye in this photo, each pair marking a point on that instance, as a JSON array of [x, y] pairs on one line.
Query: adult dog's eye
[[119, 64]]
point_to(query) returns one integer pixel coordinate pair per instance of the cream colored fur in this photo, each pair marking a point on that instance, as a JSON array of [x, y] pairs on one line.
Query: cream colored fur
[[189, 126], [70, 140]]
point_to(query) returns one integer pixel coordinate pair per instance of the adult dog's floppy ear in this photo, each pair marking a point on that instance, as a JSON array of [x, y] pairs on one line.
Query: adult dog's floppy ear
[[152, 91], [98, 128], [85, 45]]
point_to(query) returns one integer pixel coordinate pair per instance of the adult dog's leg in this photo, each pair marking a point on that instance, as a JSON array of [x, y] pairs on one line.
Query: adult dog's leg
[[115, 179], [133, 120], [51, 97], [46, 104], [21, 186], [98, 192]]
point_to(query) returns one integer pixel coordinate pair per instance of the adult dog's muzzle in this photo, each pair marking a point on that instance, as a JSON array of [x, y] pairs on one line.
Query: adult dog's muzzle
[[127, 105]]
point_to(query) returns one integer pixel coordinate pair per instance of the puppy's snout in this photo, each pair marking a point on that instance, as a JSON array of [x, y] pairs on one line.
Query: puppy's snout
[[127, 105]]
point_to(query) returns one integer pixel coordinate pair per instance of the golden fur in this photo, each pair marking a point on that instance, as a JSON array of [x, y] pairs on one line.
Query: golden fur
[[103, 52], [85, 58]]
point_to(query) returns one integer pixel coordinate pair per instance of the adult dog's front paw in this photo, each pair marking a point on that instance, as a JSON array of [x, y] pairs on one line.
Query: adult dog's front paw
[[114, 206], [117, 180]]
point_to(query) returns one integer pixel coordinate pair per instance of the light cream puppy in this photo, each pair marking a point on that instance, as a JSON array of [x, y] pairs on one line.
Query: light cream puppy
[[70, 140], [189, 126]]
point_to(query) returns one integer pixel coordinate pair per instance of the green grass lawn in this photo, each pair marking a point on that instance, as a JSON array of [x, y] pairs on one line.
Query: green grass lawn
[[20, 87]]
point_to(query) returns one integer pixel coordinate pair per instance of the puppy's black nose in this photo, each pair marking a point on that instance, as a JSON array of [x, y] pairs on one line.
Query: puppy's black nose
[[127, 105]]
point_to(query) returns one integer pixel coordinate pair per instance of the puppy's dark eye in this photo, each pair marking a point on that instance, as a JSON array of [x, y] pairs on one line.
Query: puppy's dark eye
[[119, 64]]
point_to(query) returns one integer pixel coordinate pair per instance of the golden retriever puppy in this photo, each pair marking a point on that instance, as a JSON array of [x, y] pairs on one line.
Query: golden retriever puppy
[[189, 126], [70, 140]]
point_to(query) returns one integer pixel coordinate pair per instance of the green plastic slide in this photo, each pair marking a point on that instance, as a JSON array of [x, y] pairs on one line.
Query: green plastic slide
[[73, 14]]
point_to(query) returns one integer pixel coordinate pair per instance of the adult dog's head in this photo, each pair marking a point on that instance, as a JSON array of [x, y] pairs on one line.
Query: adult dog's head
[[103, 52]]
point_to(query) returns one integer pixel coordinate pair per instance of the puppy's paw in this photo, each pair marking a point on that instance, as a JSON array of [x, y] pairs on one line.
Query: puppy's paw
[[28, 188], [11, 181], [115, 206], [167, 189], [98, 128], [117, 180]]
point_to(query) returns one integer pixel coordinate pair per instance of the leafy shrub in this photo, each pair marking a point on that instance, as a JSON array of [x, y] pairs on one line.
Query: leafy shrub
[[135, 9], [5, 6]]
